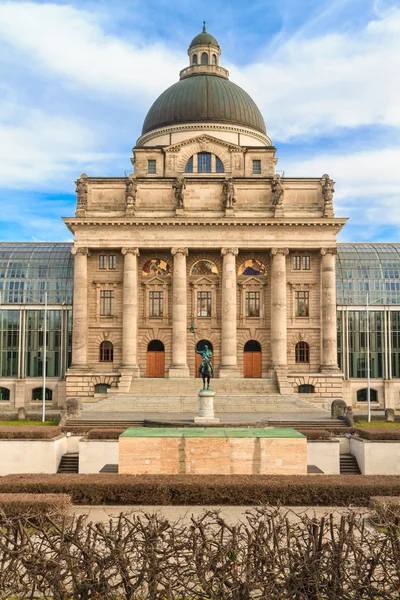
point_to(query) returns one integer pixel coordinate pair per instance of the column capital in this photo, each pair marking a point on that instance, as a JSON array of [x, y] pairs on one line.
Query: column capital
[[234, 251], [325, 251], [130, 251], [80, 250], [275, 251], [184, 251]]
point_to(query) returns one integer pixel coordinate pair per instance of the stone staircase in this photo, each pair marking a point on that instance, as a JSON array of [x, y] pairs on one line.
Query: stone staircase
[[181, 396], [349, 465], [69, 464]]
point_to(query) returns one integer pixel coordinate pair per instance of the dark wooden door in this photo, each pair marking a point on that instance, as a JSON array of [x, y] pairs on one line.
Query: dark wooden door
[[155, 364], [252, 365], [197, 363]]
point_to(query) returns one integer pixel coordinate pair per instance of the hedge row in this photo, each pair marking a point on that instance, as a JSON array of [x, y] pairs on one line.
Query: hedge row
[[105, 433], [315, 434], [14, 432], [324, 490], [378, 433], [34, 505]]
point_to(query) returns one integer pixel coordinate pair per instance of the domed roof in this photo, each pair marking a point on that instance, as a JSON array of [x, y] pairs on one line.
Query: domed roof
[[204, 97], [203, 39]]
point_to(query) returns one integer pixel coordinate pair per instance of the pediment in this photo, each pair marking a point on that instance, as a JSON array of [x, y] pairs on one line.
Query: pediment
[[252, 280], [157, 280], [204, 280], [204, 140]]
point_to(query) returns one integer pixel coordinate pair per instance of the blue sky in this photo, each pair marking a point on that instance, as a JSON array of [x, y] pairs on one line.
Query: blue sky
[[77, 78]]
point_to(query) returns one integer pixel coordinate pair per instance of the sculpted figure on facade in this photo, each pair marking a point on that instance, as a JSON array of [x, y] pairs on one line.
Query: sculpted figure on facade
[[130, 196], [328, 189], [277, 190], [179, 186], [229, 193], [81, 194]]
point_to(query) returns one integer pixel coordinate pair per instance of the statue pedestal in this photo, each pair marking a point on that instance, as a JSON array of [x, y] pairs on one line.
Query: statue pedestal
[[206, 415], [179, 212]]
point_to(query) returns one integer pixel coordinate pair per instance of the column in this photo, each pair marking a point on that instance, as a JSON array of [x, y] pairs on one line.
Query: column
[[80, 311], [328, 301], [179, 366], [229, 315], [130, 312], [278, 305]]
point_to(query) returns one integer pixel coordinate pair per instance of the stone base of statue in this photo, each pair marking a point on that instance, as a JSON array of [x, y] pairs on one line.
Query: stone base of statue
[[179, 212], [206, 416], [229, 212]]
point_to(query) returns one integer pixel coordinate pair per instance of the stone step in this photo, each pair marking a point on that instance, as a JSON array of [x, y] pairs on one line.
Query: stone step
[[349, 465], [69, 464], [191, 386]]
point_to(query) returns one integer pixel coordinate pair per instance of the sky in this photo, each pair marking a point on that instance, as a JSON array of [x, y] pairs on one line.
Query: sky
[[78, 77]]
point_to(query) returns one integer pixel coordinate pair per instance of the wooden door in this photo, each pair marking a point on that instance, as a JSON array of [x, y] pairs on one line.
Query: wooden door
[[252, 365], [197, 364], [155, 364]]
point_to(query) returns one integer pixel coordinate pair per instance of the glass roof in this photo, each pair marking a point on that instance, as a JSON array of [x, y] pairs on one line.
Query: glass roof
[[372, 268], [27, 270]]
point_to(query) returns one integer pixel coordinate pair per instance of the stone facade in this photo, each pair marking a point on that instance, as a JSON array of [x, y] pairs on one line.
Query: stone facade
[[173, 212]]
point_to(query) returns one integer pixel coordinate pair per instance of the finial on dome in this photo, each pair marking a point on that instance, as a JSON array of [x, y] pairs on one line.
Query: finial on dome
[[204, 27]]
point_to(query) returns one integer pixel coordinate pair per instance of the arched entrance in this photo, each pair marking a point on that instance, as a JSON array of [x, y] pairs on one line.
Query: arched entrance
[[155, 359], [200, 346], [252, 363]]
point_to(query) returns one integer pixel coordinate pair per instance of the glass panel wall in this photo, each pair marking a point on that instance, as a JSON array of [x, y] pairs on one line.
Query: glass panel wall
[[34, 331], [395, 342], [357, 335], [9, 342]]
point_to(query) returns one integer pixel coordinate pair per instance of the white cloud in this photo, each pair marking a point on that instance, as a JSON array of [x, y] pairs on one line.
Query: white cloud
[[314, 85], [71, 44]]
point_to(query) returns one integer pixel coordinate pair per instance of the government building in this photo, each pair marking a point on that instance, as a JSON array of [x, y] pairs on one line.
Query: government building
[[204, 243]]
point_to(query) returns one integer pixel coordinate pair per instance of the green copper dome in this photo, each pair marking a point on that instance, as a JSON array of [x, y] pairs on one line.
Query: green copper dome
[[202, 98], [203, 39]]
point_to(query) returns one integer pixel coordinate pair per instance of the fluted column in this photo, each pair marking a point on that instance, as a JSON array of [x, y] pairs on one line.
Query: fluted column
[[80, 310], [179, 366], [279, 308], [229, 315], [130, 311], [328, 293]]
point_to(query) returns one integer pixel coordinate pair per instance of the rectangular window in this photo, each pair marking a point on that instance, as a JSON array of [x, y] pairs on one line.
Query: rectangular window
[[112, 261], [252, 304], [156, 307], [204, 304], [102, 261], [306, 263], [106, 303], [302, 303], [256, 167], [296, 263], [204, 162], [152, 167]]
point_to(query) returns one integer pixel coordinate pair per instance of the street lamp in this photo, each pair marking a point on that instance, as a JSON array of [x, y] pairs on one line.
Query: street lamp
[[368, 359], [44, 350]]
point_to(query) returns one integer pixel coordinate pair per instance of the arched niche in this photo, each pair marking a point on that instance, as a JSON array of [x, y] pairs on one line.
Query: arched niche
[[156, 267], [204, 267], [252, 268]]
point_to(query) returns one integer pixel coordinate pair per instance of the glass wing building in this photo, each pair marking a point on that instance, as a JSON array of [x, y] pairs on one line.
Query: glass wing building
[[367, 282], [36, 282]]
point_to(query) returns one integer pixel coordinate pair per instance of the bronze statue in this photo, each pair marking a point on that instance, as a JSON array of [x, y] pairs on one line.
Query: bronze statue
[[229, 193], [277, 190], [206, 369], [179, 186]]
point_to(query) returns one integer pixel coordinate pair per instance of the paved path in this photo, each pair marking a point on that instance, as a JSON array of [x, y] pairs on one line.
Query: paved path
[[224, 417], [232, 514]]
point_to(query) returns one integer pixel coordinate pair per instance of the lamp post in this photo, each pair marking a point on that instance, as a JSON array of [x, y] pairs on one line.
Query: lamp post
[[44, 351]]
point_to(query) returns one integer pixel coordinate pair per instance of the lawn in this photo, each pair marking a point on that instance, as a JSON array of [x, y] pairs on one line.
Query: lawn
[[379, 424], [29, 423]]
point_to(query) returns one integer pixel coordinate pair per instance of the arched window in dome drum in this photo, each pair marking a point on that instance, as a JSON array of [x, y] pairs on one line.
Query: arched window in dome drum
[[214, 59], [219, 167], [194, 60], [204, 162], [204, 58], [189, 165]]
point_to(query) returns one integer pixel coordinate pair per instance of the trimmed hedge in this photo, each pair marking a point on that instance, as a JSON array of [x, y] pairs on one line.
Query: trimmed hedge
[[11, 432], [293, 490], [378, 433], [34, 505], [105, 434]]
